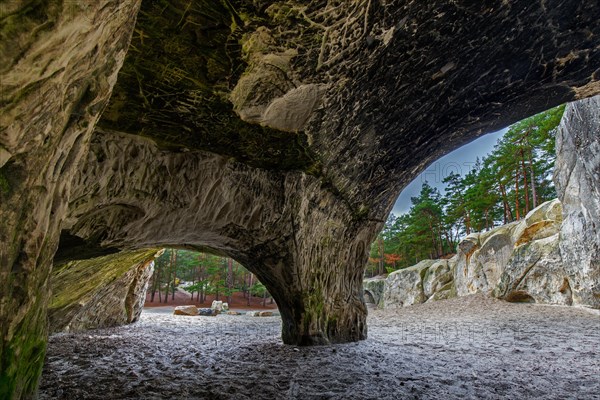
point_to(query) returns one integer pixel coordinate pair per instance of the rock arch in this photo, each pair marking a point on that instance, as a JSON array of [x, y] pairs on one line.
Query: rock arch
[[388, 87], [369, 297]]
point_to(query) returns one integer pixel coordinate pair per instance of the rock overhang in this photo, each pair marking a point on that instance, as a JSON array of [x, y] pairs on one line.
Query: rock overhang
[[404, 83], [381, 89]]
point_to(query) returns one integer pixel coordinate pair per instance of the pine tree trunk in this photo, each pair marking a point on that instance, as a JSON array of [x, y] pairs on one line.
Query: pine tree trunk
[[467, 222], [440, 240], [381, 245], [174, 274], [154, 279], [505, 204], [525, 185], [533, 184], [249, 289], [517, 194], [202, 294], [229, 279], [433, 241]]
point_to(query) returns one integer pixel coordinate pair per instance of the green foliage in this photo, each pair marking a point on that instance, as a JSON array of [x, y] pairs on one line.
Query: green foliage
[[77, 280], [200, 274], [502, 187], [23, 354], [258, 290]]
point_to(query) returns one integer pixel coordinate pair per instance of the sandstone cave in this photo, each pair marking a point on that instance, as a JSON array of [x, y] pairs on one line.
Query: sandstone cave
[[275, 133]]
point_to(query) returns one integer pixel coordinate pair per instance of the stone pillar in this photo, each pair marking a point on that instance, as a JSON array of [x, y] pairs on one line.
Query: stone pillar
[[301, 237], [577, 178], [318, 285], [59, 62]]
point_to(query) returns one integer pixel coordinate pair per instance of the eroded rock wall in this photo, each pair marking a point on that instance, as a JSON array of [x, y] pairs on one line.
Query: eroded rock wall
[[516, 262], [281, 225], [379, 90], [577, 178], [58, 64], [374, 289], [99, 292]]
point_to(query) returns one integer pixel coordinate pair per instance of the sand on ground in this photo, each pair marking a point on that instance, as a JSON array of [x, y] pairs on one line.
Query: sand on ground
[[469, 347]]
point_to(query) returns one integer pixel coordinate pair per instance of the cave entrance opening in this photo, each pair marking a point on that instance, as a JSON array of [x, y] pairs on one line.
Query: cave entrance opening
[[492, 181], [186, 277]]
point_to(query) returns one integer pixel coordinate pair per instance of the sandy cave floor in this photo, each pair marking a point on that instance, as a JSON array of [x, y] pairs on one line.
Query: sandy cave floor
[[470, 347]]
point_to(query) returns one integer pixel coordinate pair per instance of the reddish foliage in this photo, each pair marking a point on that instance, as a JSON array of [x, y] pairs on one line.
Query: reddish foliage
[[392, 258]]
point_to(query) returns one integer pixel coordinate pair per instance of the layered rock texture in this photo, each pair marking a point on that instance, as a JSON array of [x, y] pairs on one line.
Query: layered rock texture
[[59, 63], [525, 261], [577, 177], [275, 132], [99, 292]]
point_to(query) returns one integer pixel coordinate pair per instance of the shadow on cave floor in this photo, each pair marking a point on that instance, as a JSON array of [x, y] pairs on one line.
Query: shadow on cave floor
[[471, 347]]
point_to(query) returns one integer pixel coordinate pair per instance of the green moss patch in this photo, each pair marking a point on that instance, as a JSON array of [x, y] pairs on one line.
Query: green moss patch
[[77, 280], [23, 355]]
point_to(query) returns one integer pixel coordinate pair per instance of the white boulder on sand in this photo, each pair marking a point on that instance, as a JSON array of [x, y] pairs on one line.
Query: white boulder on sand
[[217, 305]]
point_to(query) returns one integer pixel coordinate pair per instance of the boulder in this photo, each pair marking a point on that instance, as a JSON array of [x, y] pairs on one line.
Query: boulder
[[99, 292], [541, 222], [207, 312], [186, 310], [437, 277], [225, 307], [548, 211], [483, 257], [265, 314], [405, 286], [373, 290], [217, 305], [463, 271], [445, 292], [259, 313], [491, 258], [535, 273]]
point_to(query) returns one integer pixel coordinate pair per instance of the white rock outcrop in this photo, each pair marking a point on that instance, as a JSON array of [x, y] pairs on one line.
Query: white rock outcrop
[[520, 262], [577, 178]]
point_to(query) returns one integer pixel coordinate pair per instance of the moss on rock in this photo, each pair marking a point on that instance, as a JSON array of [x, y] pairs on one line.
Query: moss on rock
[[93, 293]]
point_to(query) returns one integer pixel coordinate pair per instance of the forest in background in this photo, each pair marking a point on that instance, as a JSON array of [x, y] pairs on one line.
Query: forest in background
[[201, 275], [501, 188]]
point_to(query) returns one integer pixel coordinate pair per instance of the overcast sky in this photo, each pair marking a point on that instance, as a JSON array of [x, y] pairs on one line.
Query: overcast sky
[[459, 161]]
